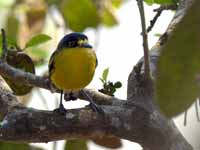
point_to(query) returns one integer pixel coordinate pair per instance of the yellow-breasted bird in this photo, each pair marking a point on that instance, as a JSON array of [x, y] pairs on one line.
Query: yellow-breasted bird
[[72, 66]]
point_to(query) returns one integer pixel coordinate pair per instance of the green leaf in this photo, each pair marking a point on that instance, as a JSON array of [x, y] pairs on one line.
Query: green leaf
[[37, 53], [112, 91], [116, 3], [105, 74], [77, 144], [149, 2], [178, 74], [12, 28], [52, 2], [108, 18], [10, 42], [118, 84], [165, 1], [38, 39], [79, 15], [157, 34], [102, 80]]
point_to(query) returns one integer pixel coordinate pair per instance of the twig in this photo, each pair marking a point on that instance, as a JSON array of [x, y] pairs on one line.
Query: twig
[[166, 7], [159, 12], [4, 45], [145, 40], [153, 21]]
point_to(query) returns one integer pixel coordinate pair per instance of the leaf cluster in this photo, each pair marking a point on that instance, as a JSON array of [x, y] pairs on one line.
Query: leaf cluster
[[109, 87]]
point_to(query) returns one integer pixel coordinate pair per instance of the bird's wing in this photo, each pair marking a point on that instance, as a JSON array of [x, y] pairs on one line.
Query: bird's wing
[[96, 60], [51, 62]]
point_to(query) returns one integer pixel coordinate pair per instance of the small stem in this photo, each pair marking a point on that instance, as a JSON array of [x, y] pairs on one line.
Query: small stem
[[166, 7], [153, 21], [158, 13], [145, 39], [4, 45]]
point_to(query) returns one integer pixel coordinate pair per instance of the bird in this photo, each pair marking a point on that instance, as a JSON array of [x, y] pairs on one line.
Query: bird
[[72, 66]]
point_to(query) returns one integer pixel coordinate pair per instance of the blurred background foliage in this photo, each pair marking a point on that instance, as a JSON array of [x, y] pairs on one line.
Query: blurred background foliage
[[25, 20]]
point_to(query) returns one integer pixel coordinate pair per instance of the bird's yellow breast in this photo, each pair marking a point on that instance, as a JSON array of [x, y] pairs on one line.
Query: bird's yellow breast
[[73, 68]]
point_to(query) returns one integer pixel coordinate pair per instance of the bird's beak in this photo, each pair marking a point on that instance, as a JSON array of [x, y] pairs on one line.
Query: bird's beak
[[86, 45]]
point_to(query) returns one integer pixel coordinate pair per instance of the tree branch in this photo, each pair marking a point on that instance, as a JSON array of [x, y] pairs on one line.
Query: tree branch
[[24, 77], [127, 121], [22, 124], [4, 45], [145, 40]]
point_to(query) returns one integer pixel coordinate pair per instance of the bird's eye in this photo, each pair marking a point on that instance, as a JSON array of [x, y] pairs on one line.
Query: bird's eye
[[81, 42]]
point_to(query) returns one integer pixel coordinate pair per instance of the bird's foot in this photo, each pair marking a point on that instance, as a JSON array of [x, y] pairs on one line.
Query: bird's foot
[[61, 110], [69, 97], [96, 108]]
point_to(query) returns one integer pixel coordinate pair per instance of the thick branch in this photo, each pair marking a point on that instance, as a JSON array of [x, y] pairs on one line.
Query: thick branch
[[23, 124], [127, 121]]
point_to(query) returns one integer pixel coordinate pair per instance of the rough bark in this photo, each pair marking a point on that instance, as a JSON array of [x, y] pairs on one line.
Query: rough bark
[[137, 119]]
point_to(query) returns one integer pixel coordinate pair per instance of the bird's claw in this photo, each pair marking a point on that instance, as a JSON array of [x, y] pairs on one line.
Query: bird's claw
[[69, 97], [61, 110], [96, 108]]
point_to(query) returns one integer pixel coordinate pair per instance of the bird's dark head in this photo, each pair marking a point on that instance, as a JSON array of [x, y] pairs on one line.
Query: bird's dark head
[[74, 40]]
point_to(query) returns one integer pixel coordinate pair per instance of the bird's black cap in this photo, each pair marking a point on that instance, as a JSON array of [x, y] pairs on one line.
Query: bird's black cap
[[71, 40]]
